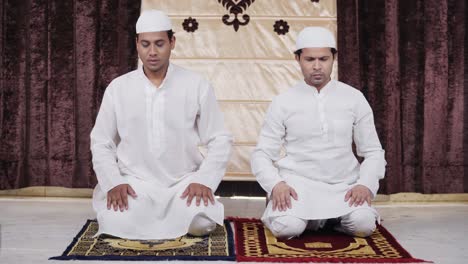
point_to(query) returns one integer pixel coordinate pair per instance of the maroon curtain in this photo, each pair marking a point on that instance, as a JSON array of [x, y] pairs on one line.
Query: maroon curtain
[[408, 57], [56, 58], [410, 60]]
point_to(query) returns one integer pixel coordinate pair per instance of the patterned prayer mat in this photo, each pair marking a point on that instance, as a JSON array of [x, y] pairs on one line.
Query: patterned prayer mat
[[218, 245], [256, 243]]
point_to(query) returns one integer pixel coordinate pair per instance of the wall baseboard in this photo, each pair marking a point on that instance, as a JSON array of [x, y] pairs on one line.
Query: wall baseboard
[[228, 189]]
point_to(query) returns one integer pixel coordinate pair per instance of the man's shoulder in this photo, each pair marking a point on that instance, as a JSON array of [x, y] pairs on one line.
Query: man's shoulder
[[186, 74], [124, 78], [290, 93], [119, 83], [283, 97], [193, 83], [346, 89]]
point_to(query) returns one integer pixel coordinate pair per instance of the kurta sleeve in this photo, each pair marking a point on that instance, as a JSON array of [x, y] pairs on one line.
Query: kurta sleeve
[[212, 133], [104, 140], [268, 149], [368, 146]]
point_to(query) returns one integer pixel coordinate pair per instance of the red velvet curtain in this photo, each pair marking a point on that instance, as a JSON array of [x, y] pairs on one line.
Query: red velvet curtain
[[408, 57], [410, 60], [56, 58]]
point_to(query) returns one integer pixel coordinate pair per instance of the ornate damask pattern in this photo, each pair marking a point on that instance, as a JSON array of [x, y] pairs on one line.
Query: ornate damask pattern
[[254, 242], [281, 27], [190, 24], [235, 8]]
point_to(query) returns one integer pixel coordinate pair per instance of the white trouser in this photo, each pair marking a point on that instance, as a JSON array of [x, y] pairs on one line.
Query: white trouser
[[360, 222], [201, 225]]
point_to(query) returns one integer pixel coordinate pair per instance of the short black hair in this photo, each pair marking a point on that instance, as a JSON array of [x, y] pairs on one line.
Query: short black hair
[[170, 34], [299, 52]]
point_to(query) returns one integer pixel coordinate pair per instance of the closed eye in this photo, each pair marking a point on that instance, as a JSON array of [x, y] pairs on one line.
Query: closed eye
[[160, 43]]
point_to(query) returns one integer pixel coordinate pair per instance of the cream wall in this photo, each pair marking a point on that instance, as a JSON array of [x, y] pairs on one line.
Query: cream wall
[[248, 67]]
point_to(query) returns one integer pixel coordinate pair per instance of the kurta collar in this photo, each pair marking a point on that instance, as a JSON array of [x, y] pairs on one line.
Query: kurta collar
[[323, 92], [170, 70]]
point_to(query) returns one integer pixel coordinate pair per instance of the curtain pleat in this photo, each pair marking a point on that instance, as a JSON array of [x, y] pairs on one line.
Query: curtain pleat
[[409, 59], [57, 57]]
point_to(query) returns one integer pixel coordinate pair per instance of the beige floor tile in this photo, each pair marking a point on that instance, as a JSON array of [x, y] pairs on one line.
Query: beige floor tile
[[34, 229]]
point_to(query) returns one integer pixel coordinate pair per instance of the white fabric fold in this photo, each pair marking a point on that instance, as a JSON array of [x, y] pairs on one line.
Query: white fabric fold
[[148, 137], [317, 130]]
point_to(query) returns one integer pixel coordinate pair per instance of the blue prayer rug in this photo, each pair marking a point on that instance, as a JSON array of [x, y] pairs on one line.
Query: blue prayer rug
[[219, 245]]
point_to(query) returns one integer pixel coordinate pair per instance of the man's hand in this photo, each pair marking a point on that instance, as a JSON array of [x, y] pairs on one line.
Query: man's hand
[[199, 191], [281, 196], [117, 197], [358, 195]]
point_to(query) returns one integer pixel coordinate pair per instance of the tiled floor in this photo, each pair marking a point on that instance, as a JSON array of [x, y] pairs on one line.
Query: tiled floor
[[34, 229]]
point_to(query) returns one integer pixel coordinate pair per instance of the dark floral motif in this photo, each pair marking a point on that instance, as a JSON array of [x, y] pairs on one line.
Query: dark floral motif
[[314, 1], [236, 7], [281, 27], [190, 24]]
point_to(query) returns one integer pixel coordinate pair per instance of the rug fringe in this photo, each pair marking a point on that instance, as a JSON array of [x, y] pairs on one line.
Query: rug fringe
[[390, 236], [143, 258], [326, 260], [75, 239]]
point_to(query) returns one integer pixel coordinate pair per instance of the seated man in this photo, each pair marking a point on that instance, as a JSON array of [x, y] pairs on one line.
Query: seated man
[[153, 182], [316, 121]]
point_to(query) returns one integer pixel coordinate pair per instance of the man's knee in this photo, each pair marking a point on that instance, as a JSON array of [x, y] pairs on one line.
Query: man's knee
[[359, 223], [201, 226], [287, 226]]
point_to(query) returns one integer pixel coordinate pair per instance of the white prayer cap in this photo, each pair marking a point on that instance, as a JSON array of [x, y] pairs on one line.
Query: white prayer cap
[[153, 21], [315, 37]]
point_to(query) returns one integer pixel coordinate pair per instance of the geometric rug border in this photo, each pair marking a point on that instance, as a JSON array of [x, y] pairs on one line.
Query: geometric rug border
[[230, 238], [241, 258]]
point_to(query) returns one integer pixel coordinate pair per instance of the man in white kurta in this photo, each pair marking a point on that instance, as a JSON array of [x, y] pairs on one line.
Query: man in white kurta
[[146, 142], [319, 177]]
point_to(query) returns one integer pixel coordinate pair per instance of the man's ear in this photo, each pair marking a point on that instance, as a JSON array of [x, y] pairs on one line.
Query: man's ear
[[173, 40], [297, 57]]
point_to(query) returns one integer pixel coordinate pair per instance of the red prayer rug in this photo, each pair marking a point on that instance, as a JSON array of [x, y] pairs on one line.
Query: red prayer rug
[[256, 243]]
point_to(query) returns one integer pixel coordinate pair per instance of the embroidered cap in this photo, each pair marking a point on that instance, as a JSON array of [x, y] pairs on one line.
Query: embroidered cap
[[153, 21], [315, 37]]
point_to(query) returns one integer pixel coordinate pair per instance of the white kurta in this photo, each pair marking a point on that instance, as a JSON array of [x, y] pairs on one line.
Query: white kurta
[[317, 130], [148, 137]]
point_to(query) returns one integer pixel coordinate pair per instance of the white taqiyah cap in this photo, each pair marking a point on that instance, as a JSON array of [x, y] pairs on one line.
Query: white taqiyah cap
[[153, 21], [315, 37]]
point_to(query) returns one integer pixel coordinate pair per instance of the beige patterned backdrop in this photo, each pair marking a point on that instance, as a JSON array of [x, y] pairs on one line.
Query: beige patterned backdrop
[[249, 66]]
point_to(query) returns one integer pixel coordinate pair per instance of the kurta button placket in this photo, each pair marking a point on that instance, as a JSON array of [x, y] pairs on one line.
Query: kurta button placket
[[321, 111], [159, 115], [155, 118], [149, 91]]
